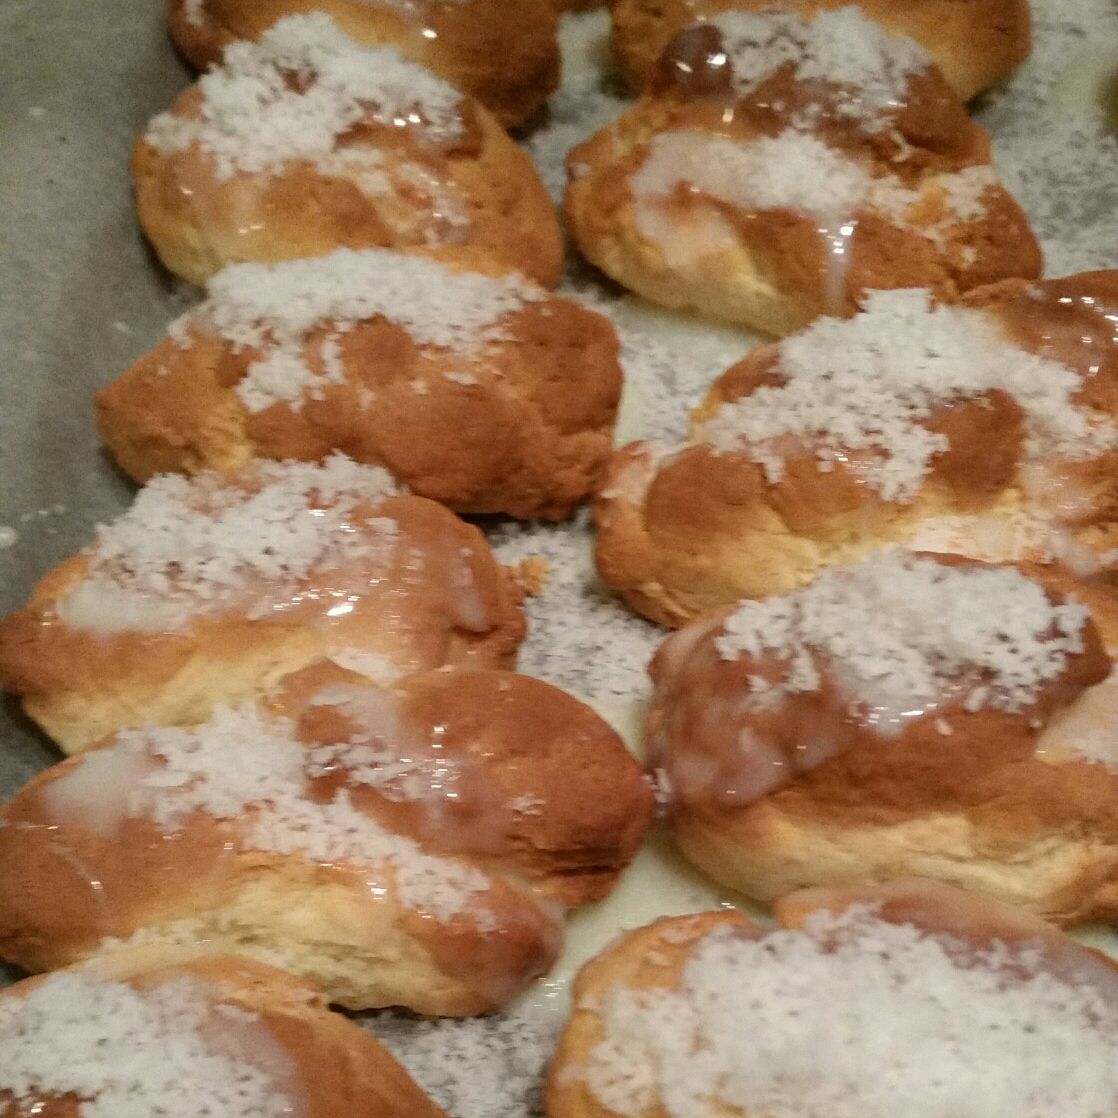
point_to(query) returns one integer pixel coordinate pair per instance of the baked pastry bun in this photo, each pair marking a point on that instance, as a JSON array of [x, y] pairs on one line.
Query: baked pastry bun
[[211, 589], [986, 429], [912, 714], [305, 141], [412, 845], [489, 394], [781, 167], [212, 1035], [911, 999], [502, 52], [974, 44]]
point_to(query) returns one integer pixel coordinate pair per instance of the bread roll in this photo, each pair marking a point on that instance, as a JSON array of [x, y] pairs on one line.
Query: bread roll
[[210, 590], [779, 168], [411, 845], [206, 1035], [488, 394], [502, 52], [911, 999], [911, 715], [974, 44], [304, 142], [986, 429]]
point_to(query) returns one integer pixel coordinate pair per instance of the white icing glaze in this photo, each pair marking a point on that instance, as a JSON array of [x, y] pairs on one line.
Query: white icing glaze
[[658, 882], [190, 546], [790, 171], [374, 666], [838, 245], [1062, 496], [1087, 729], [684, 237], [99, 792], [1006, 536], [631, 483], [103, 608], [467, 603], [993, 538], [889, 714]]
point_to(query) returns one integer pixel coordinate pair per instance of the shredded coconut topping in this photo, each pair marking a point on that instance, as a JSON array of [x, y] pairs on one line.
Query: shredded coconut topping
[[274, 307], [129, 1053], [560, 652], [293, 93], [240, 767], [900, 630], [869, 383], [190, 544], [857, 1018], [797, 171], [479, 1067], [842, 48], [793, 170]]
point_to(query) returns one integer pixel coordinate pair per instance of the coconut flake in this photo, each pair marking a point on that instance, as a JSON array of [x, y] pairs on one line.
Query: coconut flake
[[853, 1017], [194, 544], [901, 630], [252, 771], [793, 170], [293, 93], [870, 382], [869, 67], [127, 1052], [273, 308]]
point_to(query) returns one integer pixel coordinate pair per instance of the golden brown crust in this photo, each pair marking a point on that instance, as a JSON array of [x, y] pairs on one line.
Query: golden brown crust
[[975, 44], [548, 805], [685, 530], [80, 685], [335, 1066], [774, 269], [503, 52], [478, 203], [654, 957], [523, 427], [973, 799]]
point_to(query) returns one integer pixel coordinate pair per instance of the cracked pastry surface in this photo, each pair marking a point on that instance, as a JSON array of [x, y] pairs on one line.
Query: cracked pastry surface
[[986, 428], [189, 1036], [413, 844], [488, 394], [503, 52], [974, 44], [305, 141], [779, 167], [909, 715], [912, 998], [211, 589]]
